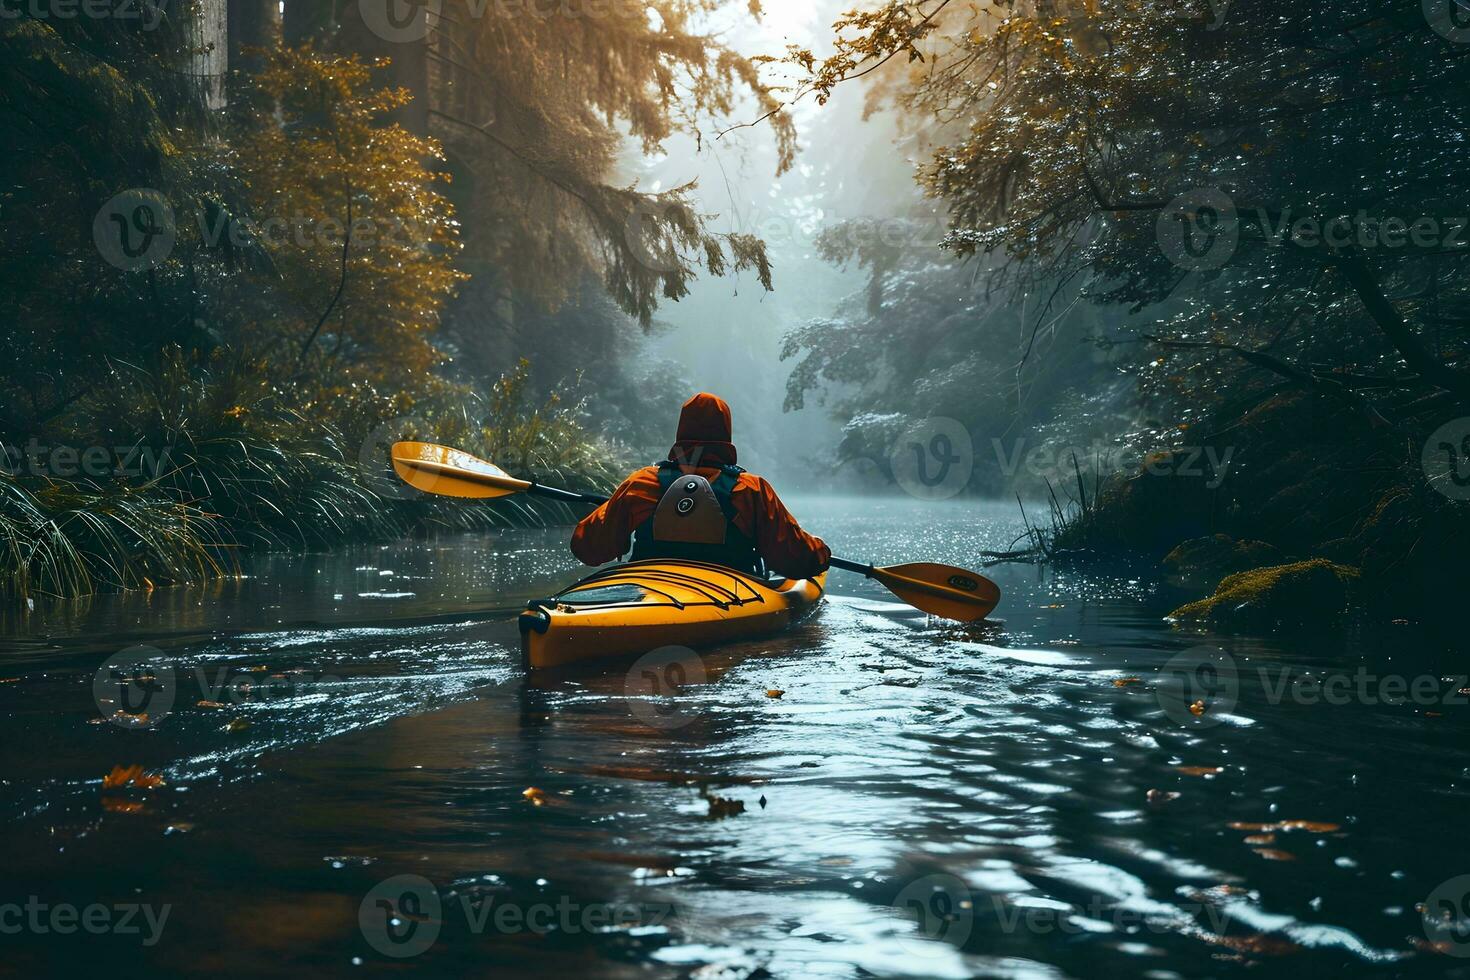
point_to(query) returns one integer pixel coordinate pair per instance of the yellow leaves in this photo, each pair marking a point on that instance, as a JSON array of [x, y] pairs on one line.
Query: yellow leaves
[[237, 725], [1200, 770], [1197, 708], [1126, 681], [1271, 854], [121, 776], [774, 693], [113, 804], [536, 796], [1261, 835], [1310, 826], [124, 777]]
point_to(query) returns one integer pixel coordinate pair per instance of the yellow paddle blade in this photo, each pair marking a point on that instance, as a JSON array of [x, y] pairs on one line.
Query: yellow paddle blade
[[452, 473], [941, 590]]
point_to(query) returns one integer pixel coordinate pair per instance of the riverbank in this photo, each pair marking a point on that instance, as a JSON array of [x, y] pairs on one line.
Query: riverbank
[[1295, 484], [166, 477]]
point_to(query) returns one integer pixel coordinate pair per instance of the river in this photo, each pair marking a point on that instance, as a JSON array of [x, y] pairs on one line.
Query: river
[[358, 778]]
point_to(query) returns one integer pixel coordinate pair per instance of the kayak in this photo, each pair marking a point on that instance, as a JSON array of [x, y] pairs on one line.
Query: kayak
[[632, 609]]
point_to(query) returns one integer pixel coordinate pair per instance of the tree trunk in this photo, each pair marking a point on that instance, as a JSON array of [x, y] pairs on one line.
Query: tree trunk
[[209, 60]]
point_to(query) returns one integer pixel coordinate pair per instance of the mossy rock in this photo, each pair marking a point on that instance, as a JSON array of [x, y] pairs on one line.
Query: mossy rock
[[1206, 561], [1304, 593]]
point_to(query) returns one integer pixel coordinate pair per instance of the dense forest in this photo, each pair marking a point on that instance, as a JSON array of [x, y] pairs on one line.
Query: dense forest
[[1254, 212], [1175, 269], [248, 246]]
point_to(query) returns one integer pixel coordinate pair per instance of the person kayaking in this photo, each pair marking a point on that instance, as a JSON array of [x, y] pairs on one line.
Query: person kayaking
[[698, 505]]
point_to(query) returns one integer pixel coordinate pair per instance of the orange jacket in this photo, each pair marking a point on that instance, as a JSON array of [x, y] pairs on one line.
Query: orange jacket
[[704, 437]]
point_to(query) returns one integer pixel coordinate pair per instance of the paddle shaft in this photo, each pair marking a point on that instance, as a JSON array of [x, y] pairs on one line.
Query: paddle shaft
[[556, 493], [852, 566]]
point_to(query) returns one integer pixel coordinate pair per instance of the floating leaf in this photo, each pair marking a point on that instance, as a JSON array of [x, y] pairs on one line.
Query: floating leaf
[[1271, 854], [536, 796], [1200, 770], [1310, 826], [1161, 796], [720, 807], [121, 776], [1197, 708], [1126, 681], [237, 725], [774, 693]]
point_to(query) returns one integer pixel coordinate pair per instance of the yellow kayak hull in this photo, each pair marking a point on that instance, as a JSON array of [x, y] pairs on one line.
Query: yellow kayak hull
[[629, 610]]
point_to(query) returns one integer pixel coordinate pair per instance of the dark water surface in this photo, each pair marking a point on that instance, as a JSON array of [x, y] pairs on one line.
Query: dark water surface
[[924, 800]]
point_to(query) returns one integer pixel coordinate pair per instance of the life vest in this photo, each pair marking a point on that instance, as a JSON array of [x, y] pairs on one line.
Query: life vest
[[695, 521]]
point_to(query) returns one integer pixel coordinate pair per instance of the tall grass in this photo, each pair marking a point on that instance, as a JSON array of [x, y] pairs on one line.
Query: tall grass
[[1068, 527], [237, 467]]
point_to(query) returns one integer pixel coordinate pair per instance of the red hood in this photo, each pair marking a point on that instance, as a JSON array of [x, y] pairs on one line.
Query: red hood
[[704, 432]]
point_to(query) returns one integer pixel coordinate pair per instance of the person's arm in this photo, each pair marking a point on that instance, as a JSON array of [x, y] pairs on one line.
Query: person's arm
[[785, 547], [606, 534]]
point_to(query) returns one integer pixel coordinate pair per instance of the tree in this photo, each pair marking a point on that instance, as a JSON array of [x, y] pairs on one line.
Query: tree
[[533, 103], [1114, 145]]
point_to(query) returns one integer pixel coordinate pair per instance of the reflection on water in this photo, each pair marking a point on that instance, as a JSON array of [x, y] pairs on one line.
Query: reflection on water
[[1036, 797]]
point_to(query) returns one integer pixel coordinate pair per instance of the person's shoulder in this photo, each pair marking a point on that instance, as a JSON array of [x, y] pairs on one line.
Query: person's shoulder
[[753, 481], [644, 474]]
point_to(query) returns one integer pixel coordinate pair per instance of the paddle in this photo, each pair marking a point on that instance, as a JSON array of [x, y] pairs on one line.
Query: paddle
[[941, 590]]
